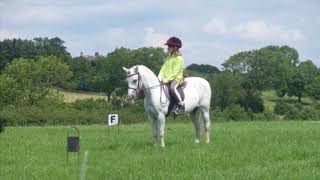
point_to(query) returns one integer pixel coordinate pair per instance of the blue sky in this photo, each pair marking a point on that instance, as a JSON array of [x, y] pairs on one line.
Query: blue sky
[[211, 31]]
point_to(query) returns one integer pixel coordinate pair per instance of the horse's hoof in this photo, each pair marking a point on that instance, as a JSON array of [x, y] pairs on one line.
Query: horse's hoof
[[197, 141]]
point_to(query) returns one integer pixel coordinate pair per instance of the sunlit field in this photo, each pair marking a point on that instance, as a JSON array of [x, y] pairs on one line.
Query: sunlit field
[[73, 96]]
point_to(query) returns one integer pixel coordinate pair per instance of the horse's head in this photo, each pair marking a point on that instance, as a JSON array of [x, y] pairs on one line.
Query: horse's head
[[134, 81]]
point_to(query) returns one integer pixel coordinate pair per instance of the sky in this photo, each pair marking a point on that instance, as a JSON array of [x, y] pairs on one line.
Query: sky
[[211, 30]]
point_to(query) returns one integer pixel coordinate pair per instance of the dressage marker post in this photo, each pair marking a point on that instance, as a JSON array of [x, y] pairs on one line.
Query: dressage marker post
[[73, 142], [113, 120]]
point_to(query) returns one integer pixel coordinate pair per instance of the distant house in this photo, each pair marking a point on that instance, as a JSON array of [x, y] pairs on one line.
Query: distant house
[[90, 57]]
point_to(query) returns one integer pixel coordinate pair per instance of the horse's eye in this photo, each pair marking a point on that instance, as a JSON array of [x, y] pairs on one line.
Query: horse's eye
[[134, 81]]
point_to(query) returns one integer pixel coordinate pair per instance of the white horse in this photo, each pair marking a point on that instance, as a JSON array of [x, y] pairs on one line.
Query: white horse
[[197, 98]]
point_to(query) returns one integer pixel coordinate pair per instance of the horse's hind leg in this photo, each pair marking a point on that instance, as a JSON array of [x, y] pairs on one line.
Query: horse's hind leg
[[196, 121], [207, 123]]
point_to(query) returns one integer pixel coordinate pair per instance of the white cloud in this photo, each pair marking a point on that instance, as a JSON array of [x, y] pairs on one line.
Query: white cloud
[[29, 12], [116, 35], [215, 26], [10, 33], [317, 20], [253, 29], [38, 15], [7, 34], [259, 30], [154, 39], [100, 25], [103, 41], [22, 13], [213, 52]]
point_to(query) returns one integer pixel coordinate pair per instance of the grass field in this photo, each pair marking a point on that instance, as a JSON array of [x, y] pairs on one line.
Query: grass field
[[244, 150]]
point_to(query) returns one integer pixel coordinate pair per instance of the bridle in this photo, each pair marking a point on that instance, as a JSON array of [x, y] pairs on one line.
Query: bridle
[[140, 89]]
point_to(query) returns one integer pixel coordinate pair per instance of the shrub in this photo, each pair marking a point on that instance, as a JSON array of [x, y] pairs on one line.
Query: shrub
[[281, 108], [87, 111], [309, 113], [297, 111], [266, 115], [216, 114], [292, 113], [235, 113], [254, 103]]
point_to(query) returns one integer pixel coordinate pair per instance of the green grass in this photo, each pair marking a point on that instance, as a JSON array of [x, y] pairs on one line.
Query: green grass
[[244, 150]]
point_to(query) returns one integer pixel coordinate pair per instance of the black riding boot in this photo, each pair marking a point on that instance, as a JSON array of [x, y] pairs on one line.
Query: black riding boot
[[180, 109]]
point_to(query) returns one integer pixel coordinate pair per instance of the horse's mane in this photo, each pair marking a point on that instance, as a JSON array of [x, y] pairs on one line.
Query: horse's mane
[[145, 68]]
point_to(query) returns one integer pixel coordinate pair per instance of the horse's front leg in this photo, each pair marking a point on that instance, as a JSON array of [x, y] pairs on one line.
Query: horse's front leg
[[162, 120], [155, 129]]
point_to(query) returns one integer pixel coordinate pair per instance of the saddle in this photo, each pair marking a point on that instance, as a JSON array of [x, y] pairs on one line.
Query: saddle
[[173, 100]]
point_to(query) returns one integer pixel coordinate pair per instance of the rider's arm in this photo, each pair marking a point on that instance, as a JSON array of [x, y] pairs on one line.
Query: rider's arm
[[160, 76], [161, 73]]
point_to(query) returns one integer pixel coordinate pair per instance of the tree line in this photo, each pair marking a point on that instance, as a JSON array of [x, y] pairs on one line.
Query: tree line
[[30, 68]]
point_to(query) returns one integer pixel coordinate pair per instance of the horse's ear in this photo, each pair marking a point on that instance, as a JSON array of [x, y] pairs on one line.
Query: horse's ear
[[125, 69], [136, 69]]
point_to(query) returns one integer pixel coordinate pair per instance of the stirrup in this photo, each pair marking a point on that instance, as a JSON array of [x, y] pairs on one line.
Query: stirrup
[[180, 110]]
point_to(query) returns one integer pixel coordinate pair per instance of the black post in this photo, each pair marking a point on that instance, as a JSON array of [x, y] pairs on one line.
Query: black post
[[118, 124], [73, 143]]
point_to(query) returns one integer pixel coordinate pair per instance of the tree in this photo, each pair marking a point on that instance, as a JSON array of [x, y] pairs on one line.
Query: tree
[[53, 46], [226, 89], [308, 71], [303, 76], [9, 90], [150, 57], [296, 86], [291, 53], [203, 68], [311, 76], [51, 72], [32, 79], [15, 48], [268, 67], [30, 49], [313, 89], [83, 74], [115, 76], [240, 62], [110, 76]]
